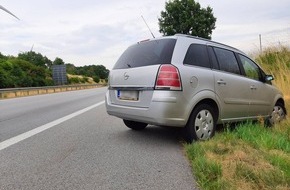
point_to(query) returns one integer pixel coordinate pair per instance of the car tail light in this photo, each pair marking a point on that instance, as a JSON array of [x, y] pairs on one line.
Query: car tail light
[[168, 78]]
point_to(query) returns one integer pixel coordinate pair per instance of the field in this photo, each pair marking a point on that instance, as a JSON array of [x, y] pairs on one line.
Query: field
[[249, 156]]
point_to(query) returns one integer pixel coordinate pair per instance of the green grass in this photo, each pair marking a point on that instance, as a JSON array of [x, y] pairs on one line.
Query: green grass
[[260, 137], [247, 157], [208, 173]]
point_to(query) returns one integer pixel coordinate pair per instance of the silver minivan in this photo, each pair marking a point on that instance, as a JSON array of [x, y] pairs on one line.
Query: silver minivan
[[190, 82]]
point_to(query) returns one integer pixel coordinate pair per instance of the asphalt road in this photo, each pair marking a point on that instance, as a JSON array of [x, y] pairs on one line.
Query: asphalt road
[[67, 141]]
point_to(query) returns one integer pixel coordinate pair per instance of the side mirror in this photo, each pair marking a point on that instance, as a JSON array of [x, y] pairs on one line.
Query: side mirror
[[269, 78]]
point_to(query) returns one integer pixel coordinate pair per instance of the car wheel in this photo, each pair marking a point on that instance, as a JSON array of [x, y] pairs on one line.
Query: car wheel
[[201, 124], [277, 115], [135, 125]]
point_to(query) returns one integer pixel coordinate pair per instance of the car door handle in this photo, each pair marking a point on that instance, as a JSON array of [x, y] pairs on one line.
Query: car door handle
[[221, 82], [253, 87]]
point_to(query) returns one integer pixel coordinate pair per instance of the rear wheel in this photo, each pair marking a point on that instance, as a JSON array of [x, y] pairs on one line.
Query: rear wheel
[[135, 125], [277, 115], [201, 124]]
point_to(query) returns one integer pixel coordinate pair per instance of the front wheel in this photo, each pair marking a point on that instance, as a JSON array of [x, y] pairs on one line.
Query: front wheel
[[201, 124], [277, 115], [135, 125]]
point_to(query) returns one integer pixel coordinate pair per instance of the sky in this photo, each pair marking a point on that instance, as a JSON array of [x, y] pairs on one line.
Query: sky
[[95, 32]]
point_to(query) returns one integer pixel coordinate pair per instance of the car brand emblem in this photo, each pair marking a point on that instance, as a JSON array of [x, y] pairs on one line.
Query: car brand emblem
[[126, 76]]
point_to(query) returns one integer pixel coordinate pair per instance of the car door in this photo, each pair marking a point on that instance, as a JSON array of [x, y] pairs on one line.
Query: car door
[[230, 87], [261, 93]]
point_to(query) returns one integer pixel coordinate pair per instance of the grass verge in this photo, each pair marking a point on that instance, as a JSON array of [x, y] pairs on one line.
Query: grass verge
[[246, 157]]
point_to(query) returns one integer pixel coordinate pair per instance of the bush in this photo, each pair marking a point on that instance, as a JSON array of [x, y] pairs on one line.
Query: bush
[[74, 80], [49, 82], [96, 79]]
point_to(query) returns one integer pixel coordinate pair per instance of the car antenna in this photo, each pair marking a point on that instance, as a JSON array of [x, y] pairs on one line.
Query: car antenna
[[147, 26]]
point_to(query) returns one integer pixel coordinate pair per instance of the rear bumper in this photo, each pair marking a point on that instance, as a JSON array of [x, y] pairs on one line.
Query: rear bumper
[[163, 111]]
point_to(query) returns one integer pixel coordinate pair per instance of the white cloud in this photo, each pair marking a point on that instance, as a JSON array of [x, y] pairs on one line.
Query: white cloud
[[97, 32]]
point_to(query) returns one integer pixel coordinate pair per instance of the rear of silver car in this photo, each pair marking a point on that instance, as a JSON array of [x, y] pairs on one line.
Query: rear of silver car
[[189, 82], [144, 86]]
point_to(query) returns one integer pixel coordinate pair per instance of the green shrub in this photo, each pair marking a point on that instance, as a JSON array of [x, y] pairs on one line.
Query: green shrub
[[74, 80], [96, 79]]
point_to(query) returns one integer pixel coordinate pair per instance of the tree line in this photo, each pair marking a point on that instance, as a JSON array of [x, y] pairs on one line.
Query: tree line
[[31, 69]]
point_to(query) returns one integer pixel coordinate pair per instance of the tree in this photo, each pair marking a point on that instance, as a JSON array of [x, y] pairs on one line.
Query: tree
[[35, 58], [186, 17], [70, 68], [2, 56], [101, 71], [5, 80], [58, 61]]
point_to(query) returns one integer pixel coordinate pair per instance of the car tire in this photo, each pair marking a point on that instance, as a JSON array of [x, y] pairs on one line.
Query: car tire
[[277, 115], [201, 124], [135, 125]]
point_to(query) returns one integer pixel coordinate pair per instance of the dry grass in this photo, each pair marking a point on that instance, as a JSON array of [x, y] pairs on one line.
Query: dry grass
[[250, 157], [82, 79], [276, 61]]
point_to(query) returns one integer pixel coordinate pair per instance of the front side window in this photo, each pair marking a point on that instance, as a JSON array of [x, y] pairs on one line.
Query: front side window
[[251, 69], [197, 55], [227, 60]]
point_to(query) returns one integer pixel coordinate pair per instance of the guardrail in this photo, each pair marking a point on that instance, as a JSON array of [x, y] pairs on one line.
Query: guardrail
[[19, 92]]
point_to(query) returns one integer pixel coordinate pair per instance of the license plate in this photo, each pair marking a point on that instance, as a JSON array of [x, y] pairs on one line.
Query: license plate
[[128, 95]]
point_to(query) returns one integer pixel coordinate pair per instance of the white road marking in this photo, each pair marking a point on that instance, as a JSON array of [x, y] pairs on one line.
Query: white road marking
[[23, 136]]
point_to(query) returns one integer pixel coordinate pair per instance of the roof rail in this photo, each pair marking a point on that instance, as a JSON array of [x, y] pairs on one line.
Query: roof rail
[[190, 36], [200, 38]]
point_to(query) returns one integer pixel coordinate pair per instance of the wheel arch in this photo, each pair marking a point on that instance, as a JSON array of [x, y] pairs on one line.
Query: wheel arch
[[210, 100], [211, 103], [190, 130], [281, 101]]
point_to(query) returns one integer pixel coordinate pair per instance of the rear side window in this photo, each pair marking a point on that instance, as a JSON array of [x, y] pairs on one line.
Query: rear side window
[[197, 55], [147, 53], [213, 58], [227, 60]]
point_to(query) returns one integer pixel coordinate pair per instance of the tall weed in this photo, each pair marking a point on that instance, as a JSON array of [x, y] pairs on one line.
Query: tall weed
[[276, 61]]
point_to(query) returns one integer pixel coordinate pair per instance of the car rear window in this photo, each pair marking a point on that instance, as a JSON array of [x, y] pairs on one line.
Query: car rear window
[[197, 55], [147, 53]]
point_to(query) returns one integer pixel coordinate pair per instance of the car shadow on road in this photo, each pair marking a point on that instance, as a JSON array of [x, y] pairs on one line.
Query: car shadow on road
[[153, 134]]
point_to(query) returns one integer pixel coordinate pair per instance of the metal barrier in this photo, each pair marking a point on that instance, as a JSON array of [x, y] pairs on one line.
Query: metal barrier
[[19, 92]]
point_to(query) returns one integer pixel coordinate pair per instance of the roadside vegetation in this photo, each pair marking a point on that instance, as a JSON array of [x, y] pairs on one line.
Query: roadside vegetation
[[31, 69], [276, 61], [249, 156]]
